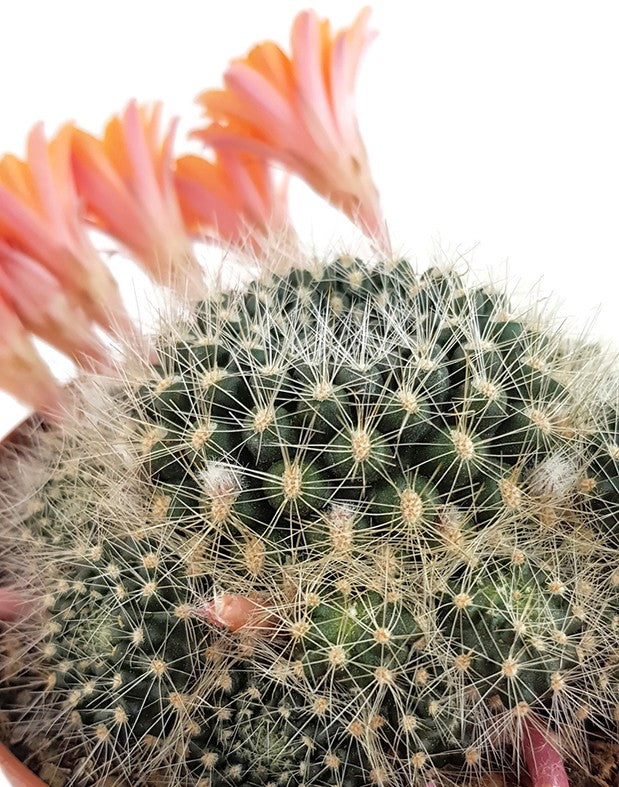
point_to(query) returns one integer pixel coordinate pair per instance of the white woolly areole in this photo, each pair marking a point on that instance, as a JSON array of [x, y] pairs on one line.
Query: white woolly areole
[[220, 478], [553, 478]]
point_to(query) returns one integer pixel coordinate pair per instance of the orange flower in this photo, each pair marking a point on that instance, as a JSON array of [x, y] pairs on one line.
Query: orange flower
[[126, 181], [22, 371], [298, 110], [232, 197], [40, 216]]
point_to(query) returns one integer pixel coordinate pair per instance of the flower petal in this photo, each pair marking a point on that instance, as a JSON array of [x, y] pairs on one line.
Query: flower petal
[[347, 51], [40, 216], [231, 197], [543, 761], [259, 102], [235, 612], [298, 110], [46, 310], [126, 181], [22, 371], [104, 192], [306, 43]]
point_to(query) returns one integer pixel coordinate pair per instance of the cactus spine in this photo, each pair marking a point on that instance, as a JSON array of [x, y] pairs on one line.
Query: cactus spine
[[416, 483]]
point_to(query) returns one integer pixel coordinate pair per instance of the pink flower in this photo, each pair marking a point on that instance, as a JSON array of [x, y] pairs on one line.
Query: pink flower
[[234, 200], [41, 218], [22, 370], [126, 181], [46, 310], [298, 110]]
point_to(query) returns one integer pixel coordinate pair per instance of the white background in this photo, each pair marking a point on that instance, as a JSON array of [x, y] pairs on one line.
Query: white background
[[490, 125]]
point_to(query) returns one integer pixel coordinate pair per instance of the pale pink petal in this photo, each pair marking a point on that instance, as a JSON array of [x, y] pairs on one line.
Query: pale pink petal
[[47, 192], [232, 197], [43, 222], [306, 49], [257, 208], [261, 103], [348, 49], [22, 371], [208, 211], [226, 138], [107, 196], [167, 173], [126, 182], [24, 224], [143, 180], [46, 311]]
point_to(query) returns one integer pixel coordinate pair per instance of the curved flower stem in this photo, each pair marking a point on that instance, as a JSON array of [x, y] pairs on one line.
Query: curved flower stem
[[543, 761]]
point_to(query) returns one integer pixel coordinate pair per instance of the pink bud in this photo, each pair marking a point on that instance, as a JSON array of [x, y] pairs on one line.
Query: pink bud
[[543, 761], [11, 604], [235, 612]]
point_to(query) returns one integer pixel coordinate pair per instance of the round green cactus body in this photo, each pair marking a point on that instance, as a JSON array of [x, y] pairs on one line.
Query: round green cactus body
[[119, 647], [411, 483], [515, 632], [359, 638]]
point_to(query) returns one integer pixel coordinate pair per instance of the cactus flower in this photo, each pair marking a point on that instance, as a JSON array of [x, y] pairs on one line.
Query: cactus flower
[[125, 179], [232, 198], [24, 374], [46, 310], [297, 109], [40, 216]]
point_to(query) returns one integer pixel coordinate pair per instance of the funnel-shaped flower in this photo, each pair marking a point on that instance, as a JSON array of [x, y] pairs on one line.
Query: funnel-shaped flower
[[22, 371], [298, 110], [232, 197], [40, 216], [126, 181], [46, 310]]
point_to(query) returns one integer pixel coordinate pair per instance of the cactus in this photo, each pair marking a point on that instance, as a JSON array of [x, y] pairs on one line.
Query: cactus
[[416, 485]]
